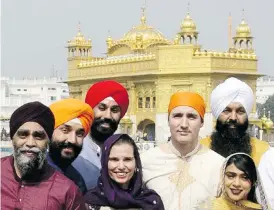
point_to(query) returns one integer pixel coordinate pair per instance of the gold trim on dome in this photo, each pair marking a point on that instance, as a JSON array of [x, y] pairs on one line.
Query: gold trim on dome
[[142, 36]]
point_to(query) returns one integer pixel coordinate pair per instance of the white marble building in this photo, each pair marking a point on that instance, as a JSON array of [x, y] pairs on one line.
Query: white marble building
[[15, 93], [264, 89]]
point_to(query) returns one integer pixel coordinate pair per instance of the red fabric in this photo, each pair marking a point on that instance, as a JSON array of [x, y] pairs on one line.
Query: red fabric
[[109, 88], [54, 191]]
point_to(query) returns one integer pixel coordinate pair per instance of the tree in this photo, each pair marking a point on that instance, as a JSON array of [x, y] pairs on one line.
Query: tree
[[269, 106]]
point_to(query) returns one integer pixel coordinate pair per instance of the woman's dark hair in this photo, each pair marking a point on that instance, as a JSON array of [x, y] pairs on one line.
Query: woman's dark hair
[[126, 139], [247, 165]]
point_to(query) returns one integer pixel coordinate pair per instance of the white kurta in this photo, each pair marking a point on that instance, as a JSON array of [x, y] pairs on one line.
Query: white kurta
[[266, 171], [182, 182]]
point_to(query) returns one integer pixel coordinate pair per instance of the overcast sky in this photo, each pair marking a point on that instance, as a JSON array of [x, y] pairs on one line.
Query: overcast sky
[[34, 33]]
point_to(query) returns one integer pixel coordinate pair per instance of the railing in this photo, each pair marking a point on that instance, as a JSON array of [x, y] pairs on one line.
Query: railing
[[144, 145], [6, 148]]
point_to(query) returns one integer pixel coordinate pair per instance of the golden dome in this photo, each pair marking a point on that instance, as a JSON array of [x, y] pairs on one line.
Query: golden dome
[[264, 118], [188, 25], [243, 30], [268, 124], [146, 33]]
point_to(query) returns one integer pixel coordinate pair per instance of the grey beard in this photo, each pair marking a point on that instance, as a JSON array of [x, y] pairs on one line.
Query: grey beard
[[29, 166]]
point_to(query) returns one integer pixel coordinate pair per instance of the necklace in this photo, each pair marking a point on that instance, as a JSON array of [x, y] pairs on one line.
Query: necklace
[[236, 203]]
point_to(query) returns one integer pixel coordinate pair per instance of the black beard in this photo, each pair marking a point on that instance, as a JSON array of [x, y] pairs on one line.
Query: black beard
[[100, 134], [30, 170], [226, 141], [55, 149]]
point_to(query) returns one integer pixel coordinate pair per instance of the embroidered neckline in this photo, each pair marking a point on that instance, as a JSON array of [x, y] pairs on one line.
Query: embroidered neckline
[[177, 153]]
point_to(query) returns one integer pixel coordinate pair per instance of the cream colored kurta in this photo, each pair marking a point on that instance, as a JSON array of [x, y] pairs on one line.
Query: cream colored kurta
[[182, 182]]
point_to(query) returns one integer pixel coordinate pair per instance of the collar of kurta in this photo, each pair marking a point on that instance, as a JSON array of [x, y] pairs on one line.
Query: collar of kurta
[[91, 144], [177, 153]]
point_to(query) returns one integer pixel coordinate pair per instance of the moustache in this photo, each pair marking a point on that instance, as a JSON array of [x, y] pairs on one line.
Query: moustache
[[231, 122], [34, 150], [63, 145], [112, 123], [225, 127]]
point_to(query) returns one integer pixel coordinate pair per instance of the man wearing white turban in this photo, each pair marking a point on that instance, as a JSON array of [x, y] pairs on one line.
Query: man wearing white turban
[[231, 103], [231, 90]]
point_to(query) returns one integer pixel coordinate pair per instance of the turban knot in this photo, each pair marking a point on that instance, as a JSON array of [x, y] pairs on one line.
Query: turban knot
[[104, 89], [69, 109], [231, 90], [190, 99], [32, 112]]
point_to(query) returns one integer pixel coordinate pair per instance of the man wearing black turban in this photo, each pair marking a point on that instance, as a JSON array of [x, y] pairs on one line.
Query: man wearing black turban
[[32, 121], [38, 185]]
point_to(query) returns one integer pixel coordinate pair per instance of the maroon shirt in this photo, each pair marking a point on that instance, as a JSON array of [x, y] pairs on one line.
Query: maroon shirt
[[52, 191]]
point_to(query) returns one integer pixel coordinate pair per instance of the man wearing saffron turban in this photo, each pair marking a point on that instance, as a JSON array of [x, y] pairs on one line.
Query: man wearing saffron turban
[[73, 119], [231, 103], [182, 171], [109, 101]]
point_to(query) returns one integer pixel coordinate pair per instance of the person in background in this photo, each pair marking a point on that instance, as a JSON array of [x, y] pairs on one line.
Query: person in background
[[266, 169], [120, 184], [238, 185], [109, 101], [231, 103], [73, 119], [27, 181], [182, 171]]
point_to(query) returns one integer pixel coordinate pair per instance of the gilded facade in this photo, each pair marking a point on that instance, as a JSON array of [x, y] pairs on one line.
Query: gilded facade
[[152, 68]]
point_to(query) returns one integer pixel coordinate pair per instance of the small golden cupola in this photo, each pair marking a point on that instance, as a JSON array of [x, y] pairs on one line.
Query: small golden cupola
[[189, 32], [243, 38], [109, 42], [264, 118], [269, 122], [79, 46], [140, 37]]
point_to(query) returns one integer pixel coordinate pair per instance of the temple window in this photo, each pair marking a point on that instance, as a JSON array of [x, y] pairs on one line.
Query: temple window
[[154, 102], [140, 102], [147, 102]]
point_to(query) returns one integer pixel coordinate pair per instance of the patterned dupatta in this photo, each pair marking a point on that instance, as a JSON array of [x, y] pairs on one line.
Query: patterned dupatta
[[260, 195]]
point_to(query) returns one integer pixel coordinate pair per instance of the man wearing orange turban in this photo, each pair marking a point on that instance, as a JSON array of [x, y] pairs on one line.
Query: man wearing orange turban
[[109, 100], [183, 164], [73, 119]]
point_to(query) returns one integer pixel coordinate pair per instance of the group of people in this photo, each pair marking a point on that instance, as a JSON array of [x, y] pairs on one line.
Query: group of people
[[66, 156]]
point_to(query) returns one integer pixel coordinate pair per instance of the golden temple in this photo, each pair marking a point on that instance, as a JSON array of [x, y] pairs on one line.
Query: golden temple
[[152, 68]]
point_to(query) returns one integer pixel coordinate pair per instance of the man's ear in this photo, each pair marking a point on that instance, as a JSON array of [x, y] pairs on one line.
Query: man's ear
[[202, 122]]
